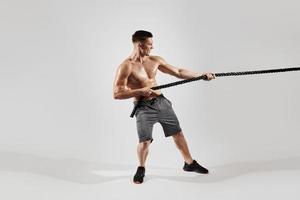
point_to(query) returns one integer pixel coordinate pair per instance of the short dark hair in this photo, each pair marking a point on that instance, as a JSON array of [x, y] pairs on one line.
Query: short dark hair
[[141, 36]]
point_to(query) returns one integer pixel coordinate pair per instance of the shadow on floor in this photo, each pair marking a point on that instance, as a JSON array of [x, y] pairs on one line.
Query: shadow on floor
[[84, 172], [67, 169], [232, 170]]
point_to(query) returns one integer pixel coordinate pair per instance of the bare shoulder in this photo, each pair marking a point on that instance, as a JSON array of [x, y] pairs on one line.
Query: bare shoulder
[[126, 62], [158, 59], [125, 65]]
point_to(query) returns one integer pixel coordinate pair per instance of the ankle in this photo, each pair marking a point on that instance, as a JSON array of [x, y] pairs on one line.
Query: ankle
[[189, 161]]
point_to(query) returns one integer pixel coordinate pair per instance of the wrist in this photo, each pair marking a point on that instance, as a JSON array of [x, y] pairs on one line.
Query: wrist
[[198, 74], [140, 92]]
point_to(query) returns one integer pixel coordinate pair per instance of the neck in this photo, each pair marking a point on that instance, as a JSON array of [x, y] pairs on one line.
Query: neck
[[136, 56]]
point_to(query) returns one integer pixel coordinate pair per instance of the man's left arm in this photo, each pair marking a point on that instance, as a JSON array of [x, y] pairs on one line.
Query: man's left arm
[[181, 73]]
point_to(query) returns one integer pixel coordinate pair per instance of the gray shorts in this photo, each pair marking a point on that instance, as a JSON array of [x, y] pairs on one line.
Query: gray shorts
[[155, 110]]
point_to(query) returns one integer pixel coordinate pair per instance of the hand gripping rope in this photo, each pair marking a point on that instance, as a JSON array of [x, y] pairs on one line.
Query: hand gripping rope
[[204, 77]]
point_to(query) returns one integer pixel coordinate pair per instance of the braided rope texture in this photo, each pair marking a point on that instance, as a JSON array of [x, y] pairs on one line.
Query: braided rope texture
[[204, 77]]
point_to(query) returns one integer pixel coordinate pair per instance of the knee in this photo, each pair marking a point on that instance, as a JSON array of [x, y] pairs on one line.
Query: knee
[[143, 146], [179, 140], [179, 136]]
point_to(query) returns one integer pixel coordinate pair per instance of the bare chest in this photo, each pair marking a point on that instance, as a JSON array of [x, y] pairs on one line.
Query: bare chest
[[143, 74]]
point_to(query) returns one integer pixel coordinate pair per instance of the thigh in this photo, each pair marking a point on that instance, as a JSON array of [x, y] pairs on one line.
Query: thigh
[[168, 119], [145, 119]]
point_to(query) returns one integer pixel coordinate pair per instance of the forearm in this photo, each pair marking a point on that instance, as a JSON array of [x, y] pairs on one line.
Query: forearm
[[126, 94], [186, 74]]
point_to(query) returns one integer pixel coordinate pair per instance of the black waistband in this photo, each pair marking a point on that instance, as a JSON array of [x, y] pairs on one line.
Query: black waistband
[[149, 100]]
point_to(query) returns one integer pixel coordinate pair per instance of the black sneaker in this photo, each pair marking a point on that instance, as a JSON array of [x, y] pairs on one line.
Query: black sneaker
[[194, 167], [139, 175]]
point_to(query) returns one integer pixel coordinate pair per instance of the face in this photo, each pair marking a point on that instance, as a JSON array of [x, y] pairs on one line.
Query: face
[[145, 47]]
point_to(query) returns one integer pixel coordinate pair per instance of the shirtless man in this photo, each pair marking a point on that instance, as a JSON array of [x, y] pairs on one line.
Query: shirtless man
[[134, 79]]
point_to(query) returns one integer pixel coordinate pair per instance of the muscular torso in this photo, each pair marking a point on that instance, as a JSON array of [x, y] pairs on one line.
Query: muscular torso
[[143, 74]]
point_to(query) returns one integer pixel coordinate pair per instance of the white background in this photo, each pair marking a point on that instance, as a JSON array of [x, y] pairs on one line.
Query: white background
[[58, 60]]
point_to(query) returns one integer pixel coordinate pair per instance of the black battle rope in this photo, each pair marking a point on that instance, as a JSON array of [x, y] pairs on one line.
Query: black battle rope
[[204, 77]]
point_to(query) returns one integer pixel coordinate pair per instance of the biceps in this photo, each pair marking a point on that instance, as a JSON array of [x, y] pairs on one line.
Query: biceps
[[120, 80], [120, 85], [169, 69]]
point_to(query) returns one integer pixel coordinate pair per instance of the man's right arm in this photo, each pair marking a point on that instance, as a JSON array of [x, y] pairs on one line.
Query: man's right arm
[[121, 91]]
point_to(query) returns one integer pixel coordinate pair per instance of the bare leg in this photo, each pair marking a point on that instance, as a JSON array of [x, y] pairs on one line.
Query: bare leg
[[142, 151], [181, 144]]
